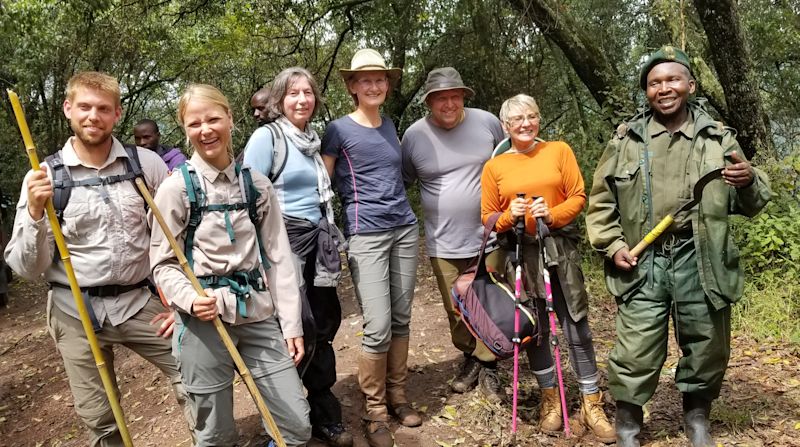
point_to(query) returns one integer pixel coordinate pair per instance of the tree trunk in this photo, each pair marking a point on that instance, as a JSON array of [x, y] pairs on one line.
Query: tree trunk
[[731, 58], [586, 57]]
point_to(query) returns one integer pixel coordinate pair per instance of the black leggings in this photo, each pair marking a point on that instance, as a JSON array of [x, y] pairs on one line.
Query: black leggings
[[579, 343]]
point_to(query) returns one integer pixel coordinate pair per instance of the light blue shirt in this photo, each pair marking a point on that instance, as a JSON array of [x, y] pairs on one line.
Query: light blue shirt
[[296, 186]]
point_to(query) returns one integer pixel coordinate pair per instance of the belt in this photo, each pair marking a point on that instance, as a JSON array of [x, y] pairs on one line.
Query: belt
[[107, 290], [669, 241]]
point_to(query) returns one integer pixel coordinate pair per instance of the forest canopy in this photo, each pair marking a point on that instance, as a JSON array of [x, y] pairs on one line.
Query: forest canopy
[[578, 58]]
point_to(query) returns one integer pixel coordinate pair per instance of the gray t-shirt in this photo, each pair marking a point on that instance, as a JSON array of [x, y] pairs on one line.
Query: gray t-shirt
[[448, 165]]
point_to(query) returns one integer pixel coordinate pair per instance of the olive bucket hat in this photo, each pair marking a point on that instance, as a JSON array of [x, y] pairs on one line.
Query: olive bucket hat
[[445, 78], [664, 54]]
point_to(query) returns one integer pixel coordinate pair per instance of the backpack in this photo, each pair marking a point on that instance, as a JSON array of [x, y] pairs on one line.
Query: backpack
[[485, 303], [63, 183], [240, 282], [279, 152]]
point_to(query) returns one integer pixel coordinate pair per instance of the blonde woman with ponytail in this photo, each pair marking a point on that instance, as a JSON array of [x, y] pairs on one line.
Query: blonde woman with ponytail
[[240, 252]]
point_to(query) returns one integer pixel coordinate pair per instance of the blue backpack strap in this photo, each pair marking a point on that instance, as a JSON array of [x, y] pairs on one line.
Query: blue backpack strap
[[251, 195], [196, 208]]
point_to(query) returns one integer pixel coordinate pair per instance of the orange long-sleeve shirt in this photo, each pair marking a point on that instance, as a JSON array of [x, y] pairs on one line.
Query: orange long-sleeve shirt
[[549, 171]]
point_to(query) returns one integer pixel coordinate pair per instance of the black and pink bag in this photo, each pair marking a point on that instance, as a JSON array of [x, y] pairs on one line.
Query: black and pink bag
[[485, 302]]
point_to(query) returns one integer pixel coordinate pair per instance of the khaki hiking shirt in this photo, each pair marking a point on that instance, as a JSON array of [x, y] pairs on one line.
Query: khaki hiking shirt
[[215, 254], [108, 239]]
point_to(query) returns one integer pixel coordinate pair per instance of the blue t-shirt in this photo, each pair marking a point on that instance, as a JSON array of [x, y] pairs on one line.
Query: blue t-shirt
[[368, 175], [296, 187]]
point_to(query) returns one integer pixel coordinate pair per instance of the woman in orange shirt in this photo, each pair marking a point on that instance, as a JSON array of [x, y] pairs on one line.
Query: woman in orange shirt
[[548, 174]]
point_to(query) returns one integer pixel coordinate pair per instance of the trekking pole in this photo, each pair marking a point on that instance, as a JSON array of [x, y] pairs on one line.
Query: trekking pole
[[519, 229], [543, 233], [223, 333], [102, 367]]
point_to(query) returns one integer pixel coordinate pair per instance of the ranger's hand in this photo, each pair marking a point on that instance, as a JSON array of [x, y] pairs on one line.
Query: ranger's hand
[[740, 173], [296, 349], [623, 259], [205, 307], [39, 190]]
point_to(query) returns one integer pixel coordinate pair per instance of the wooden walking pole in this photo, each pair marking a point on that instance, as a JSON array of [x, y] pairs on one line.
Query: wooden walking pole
[[223, 333], [105, 376]]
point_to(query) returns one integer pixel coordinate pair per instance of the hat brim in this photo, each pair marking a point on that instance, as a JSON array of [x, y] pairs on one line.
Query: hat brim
[[468, 92], [392, 73], [650, 66]]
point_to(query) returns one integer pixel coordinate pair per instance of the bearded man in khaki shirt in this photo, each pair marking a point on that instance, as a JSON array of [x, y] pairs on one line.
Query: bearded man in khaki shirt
[[106, 230]]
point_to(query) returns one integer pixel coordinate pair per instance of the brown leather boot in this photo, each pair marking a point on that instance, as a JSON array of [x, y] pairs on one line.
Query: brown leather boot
[[593, 416], [550, 416], [396, 377], [372, 380]]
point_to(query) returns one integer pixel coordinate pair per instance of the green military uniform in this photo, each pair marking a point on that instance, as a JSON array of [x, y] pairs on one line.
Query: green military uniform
[[691, 272]]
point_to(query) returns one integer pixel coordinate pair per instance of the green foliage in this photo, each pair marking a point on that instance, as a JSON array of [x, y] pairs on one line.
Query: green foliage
[[770, 250]]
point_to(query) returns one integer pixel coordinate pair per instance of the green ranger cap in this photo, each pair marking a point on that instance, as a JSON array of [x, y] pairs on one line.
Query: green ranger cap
[[664, 54]]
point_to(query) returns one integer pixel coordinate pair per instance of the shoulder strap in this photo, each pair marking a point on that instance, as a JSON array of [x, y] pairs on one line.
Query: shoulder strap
[[196, 197], [279, 152], [133, 163], [62, 183], [251, 195], [487, 231]]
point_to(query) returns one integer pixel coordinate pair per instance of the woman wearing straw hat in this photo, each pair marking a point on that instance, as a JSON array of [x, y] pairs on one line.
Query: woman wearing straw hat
[[362, 154]]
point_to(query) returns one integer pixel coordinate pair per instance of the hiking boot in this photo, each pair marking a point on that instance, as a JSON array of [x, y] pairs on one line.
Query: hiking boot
[[372, 381], [378, 434], [406, 415], [593, 416], [628, 423], [489, 384], [396, 378], [333, 434], [467, 378], [695, 421], [550, 416]]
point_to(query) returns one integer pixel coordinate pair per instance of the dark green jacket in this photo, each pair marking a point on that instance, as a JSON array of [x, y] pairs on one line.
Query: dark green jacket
[[618, 206]]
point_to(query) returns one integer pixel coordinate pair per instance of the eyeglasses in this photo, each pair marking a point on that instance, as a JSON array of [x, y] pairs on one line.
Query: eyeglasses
[[366, 83], [519, 119]]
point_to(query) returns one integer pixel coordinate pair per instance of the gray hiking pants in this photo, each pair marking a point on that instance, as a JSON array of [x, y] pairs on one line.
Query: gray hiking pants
[[384, 270], [208, 372]]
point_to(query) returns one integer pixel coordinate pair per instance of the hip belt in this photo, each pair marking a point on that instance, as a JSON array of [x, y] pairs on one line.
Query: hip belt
[[107, 290]]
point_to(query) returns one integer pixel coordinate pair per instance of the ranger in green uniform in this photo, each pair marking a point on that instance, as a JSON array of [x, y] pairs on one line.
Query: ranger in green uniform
[[690, 272]]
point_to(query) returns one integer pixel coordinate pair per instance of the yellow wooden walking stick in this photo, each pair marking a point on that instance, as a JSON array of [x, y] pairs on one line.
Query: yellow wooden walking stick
[[697, 195], [223, 333], [108, 384]]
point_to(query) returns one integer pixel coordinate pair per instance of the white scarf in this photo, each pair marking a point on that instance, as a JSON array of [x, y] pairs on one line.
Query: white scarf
[[308, 143]]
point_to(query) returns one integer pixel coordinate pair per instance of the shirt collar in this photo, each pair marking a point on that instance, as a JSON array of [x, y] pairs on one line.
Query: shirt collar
[[654, 128], [70, 158], [210, 172]]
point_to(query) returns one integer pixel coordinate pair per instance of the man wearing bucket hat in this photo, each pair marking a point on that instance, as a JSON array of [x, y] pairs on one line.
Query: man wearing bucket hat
[[362, 154], [445, 151], [692, 270]]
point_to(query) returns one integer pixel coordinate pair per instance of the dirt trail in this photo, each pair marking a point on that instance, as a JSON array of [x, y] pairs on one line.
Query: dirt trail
[[760, 405]]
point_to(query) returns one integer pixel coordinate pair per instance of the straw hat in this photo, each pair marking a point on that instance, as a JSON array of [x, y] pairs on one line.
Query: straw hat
[[369, 60]]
